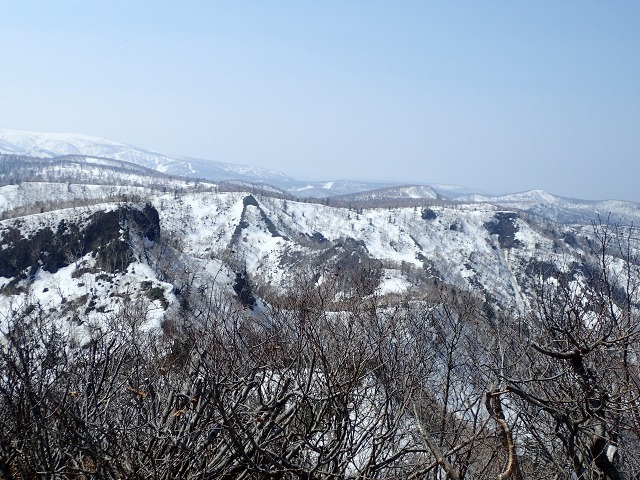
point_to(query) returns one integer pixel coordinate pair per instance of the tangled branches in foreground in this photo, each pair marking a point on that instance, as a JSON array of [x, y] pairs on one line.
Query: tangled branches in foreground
[[437, 388]]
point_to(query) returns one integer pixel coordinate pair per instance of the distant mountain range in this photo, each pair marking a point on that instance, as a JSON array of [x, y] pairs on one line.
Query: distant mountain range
[[49, 145], [90, 149]]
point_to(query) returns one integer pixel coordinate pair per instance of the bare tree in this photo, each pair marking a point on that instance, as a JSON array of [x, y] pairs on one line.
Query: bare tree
[[333, 380], [574, 385]]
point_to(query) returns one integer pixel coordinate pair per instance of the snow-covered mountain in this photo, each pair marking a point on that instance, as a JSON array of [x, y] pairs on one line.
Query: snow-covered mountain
[[103, 261], [564, 210], [50, 145], [394, 193], [102, 256], [38, 144], [207, 232], [107, 153]]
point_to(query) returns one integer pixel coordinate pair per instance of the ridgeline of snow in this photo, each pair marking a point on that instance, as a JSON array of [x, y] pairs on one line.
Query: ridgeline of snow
[[37, 144], [564, 210], [395, 193], [99, 151], [49, 145]]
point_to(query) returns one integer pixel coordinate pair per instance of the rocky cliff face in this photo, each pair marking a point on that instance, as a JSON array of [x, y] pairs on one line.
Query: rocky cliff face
[[104, 234]]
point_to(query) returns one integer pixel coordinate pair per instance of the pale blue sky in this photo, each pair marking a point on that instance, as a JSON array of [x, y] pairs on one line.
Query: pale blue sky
[[503, 96]]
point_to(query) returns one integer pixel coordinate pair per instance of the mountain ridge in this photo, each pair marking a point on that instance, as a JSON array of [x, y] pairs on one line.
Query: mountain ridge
[[57, 144], [537, 202]]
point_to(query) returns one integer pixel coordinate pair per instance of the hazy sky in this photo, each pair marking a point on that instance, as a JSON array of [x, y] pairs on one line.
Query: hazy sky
[[504, 96]]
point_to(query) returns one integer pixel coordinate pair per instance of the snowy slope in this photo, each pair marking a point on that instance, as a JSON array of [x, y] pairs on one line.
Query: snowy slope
[[276, 237], [44, 194], [210, 239], [48, 183], [38, 144], [414, 192], [564, 210]]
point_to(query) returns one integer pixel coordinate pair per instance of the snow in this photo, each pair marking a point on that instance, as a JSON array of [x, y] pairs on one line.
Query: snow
[[30, 224], [563, 210], [215, 232], [48, 145], [106, 293], [40, 144], [393, 282], [466, 256]]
